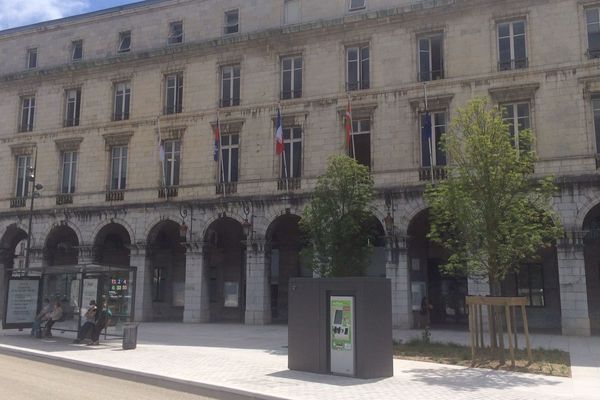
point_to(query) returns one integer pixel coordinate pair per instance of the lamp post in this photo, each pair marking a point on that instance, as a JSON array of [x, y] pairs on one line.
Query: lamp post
[[35, 188]]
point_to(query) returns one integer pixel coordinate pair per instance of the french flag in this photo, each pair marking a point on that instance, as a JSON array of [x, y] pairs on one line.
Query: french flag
[[217, 141], [279, 135]]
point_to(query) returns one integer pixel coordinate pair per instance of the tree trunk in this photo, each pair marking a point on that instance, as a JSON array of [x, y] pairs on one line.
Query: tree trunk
[[497, 333]]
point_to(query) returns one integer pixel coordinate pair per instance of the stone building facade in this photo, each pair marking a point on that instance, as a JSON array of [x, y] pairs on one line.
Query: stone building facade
[[92, 96]]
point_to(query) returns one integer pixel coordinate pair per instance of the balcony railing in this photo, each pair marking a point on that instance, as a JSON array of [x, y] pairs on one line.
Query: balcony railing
[[508, 65], [18, 202], [120, 116], [231, 102], [64, 198], [71, 122], [168, 192], [438, 173], [226, 188], [289, 184], [115, 195], [294, 94], [26, 128], [434, 75], [358, 85], [176, 109], [593, 53]]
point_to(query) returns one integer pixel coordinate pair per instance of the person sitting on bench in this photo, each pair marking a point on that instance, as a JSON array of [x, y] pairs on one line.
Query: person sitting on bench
[[103, 316], [56, 315], [90, 322]]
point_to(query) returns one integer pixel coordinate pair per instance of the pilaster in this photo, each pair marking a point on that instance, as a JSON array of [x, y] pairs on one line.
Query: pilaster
[[143, 282], [573, 288], [196, 308], [258, 300], [398, 272]]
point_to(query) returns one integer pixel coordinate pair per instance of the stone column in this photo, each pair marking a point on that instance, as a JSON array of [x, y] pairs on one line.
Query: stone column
[[573, 287], [258, 300], [398, 272], [196, 308], [143, 283]]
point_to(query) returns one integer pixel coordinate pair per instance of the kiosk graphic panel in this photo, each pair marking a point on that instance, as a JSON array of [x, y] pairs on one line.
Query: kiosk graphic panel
[[341, 332]]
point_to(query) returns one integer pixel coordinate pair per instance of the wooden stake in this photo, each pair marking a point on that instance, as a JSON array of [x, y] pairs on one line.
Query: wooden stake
[[526, 329], [509, 332]]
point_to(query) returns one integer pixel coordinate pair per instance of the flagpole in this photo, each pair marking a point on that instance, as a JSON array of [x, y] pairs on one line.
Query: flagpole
[[351, 128], [162, 162], [430, 134], [221, 155]]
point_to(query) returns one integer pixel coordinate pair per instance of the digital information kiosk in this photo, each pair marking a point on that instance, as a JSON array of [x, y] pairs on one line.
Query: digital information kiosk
[[342, 332]]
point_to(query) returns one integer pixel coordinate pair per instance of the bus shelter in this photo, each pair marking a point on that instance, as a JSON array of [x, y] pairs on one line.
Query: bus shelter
[[74, 286]]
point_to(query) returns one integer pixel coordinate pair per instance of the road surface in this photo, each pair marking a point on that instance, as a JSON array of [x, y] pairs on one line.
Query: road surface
[[24, 379]]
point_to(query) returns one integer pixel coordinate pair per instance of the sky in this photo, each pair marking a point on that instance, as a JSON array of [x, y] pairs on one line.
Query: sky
[[14, 13]]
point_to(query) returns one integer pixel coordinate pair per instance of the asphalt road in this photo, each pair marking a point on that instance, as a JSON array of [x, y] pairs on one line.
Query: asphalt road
[[24, 379]]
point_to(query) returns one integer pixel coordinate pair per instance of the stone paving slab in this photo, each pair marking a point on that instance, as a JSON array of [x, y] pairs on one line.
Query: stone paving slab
[[254, 360]]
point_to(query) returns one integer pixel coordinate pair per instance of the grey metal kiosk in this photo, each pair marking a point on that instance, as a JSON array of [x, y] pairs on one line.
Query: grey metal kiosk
[[341, 326]]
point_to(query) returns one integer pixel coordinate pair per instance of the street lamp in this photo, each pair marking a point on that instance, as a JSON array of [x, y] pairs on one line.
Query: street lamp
[[35, 189]]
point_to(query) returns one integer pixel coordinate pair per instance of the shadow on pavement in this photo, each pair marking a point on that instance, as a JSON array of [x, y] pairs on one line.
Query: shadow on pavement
[[470, 379], [332, 380]]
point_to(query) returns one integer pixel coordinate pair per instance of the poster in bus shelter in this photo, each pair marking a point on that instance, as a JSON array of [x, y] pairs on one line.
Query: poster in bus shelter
[[21, 306]]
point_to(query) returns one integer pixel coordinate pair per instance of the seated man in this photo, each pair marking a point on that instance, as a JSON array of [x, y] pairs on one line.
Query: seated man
[[56, 315], [43, 315], [90, 322], [103, 316]]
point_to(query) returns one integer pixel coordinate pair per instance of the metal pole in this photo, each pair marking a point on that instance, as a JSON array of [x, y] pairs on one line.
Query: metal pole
[[352, 128], [430, 134], [30, 213], [221, 155]]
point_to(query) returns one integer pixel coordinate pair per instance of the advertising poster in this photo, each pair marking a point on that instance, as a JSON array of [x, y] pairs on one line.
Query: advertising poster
[[231, 294], [341, 337], [21, 302], [90, 292], [341, 334]]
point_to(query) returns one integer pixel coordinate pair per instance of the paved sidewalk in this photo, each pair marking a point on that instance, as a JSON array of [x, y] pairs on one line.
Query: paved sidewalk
[[247, 359]]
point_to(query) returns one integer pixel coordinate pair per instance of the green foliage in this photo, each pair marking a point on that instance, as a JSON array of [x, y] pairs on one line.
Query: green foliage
[[337, 220], [491, 214]]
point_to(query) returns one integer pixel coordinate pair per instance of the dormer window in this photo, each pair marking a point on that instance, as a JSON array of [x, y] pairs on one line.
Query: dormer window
[[124, 42], [232, 21], [77, 50], [355, 5], [175, 32]]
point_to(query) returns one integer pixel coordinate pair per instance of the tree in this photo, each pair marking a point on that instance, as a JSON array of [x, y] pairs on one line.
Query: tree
[[491, 214], [337, 220]]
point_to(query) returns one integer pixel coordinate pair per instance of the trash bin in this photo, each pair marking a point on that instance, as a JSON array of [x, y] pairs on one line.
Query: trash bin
[[130, 336]]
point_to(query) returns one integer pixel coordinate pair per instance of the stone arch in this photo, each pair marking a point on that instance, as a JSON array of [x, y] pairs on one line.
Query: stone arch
[[591, 253], [172, 230], [12, 236], [284, 242], [111, 244], [225, 269], [214, 218], [65, 223], [445, 292], [411, 210], [121, 222], [166, 259], [62, 245], [584, 211]]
